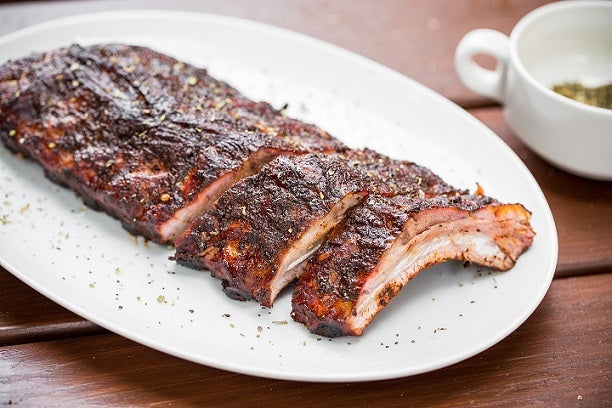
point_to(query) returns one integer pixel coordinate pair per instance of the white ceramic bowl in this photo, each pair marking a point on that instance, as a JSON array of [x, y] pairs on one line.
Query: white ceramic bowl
[[569, 41]]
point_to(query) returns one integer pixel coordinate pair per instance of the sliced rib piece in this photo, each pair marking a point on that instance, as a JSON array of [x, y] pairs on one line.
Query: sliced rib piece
[[386, 241], [146, 138], [263, 228]]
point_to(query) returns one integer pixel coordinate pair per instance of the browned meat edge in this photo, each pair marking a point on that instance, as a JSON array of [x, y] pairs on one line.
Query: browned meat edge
[[385, 242], [155, 142], [148, 139], [263, 228]]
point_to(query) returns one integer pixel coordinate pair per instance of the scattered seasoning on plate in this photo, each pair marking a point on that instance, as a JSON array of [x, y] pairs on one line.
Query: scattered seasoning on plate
[[280, 322], [439, 329]]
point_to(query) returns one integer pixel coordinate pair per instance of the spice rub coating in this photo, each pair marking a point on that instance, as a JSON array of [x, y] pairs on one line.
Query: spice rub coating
[[263, 228], [384, 242], [158, 143], [148, 139]]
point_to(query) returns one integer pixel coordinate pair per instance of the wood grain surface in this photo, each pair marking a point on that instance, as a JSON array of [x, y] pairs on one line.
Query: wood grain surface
[[560, 357], [545, 362], [414, 37]]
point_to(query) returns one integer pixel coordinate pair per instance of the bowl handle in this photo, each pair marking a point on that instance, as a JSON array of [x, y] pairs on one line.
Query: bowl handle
[[487, 82]]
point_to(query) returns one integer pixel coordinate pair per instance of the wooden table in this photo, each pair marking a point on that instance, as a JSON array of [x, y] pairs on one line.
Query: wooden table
[[562, 355]]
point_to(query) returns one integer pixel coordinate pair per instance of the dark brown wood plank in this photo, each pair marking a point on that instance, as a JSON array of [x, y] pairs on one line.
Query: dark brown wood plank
[[416, 38], [582, 208], [562, 356], [28, 316]]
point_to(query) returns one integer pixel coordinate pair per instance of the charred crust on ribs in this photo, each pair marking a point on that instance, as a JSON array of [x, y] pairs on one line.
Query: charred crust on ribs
[[353, 275], [262, 229], [139, 134], [159, 144]]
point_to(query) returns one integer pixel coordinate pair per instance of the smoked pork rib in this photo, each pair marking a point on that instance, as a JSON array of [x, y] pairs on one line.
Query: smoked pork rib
[[384, 242], [263, 228], [158, 143], [146, 138]]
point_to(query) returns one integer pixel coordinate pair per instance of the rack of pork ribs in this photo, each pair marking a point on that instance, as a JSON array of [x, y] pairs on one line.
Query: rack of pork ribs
[[242, 190]]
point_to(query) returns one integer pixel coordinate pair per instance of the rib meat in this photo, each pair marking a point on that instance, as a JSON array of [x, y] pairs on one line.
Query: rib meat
[[262, 229], [146, 138], [383, 243], [258, 198]]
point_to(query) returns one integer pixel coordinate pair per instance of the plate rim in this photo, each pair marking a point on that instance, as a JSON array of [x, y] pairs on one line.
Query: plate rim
[[135, 14]]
